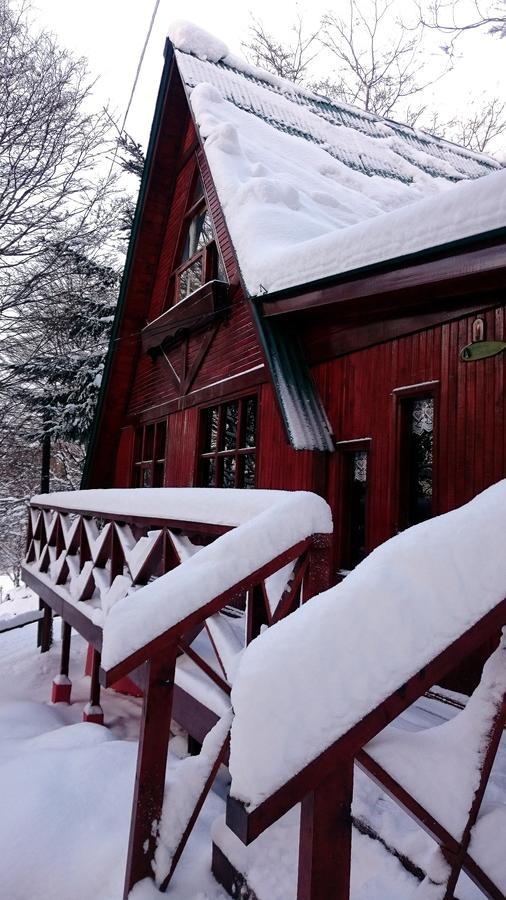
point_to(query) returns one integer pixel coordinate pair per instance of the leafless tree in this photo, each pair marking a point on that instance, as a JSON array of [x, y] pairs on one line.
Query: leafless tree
[[379, 64], [289, 59], [58, 202], [454, 18], [375, 62], [52, 148]]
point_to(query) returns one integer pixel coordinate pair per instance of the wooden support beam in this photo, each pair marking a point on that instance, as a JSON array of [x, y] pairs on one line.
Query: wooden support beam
[[256, 612], [325, 838], [318, 577], [151, 765]]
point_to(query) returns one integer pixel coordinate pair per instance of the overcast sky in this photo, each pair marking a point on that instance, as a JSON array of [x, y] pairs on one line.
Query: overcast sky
[[110, 33]]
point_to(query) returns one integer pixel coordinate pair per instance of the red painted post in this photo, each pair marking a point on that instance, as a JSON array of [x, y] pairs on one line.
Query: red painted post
[[93, 712], [256, 613], [325, 838], [318, 576], [62, 685], [151, 764]]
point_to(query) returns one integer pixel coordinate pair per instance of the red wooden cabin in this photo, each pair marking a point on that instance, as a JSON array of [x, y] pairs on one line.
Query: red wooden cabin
[[276, 336]]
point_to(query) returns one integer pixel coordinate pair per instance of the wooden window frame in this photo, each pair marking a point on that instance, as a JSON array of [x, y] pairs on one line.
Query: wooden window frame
[[401, 397], [208, 254], [238, 452], [343, 537], [149, 462]]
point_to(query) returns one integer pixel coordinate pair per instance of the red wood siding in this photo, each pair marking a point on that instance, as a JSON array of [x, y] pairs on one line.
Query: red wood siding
[[182, 448], [278, 465], [469, 436]]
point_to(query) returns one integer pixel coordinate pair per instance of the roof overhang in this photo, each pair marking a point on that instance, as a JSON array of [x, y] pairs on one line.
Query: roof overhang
[[471, 264]]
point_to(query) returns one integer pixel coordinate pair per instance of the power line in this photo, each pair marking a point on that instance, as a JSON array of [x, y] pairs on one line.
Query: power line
[[135, 82]]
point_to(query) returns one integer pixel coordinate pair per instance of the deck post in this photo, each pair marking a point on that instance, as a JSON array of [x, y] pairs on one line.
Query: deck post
[[93, 712], [151, 765], [318, 577], [62, 685], [325, 838], [45, 628]]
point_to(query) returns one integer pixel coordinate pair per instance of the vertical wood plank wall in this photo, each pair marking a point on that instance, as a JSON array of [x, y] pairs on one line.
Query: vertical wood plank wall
[[357, 390], [469, 429]]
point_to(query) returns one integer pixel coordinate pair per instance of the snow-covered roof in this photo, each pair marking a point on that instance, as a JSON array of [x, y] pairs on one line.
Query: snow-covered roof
[[312, 188]]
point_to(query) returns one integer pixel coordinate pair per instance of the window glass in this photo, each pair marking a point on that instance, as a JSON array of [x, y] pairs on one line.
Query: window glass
[[420, 458], [231, 417], [357, 509], [199, 234], [190, 279], [149, 455], [229, 444]]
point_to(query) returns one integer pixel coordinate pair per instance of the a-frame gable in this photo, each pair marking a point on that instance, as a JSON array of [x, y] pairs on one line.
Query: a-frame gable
[[203, 350]]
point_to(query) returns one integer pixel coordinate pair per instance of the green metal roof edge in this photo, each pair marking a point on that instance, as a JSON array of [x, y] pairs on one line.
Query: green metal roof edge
[[153, 137], [427, 254], [284, 357]]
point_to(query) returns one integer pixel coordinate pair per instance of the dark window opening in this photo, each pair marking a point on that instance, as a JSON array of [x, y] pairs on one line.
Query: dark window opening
[[228, 444], [149, 455], [354, 508], [199, 260], [418, 441]]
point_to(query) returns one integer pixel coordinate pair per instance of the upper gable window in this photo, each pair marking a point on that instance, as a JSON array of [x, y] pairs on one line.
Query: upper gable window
[[199, 260]]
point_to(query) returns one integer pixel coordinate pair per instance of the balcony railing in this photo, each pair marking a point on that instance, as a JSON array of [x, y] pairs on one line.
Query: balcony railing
[[168, 586]]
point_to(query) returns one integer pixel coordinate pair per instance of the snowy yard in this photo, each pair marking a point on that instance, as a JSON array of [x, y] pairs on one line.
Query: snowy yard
[[67, 789]]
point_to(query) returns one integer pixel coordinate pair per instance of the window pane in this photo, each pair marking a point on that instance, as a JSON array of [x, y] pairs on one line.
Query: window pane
[[204, 230], [200, 232], [208, 472], [158, 474], [161, 436], [149, 436], [230, 430], [251, 422], [190, 279], [358, 491], [249, 471], [146, 476], [211, 429], [229, 471], [198, 190], [420, 451]]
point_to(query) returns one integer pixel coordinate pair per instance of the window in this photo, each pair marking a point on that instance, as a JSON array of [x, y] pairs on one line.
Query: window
[[228, 442], [149, 455], [417, 444], [199, 259], [353, 491]]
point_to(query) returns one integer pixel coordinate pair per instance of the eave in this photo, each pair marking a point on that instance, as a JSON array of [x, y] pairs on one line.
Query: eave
[[476, 264]]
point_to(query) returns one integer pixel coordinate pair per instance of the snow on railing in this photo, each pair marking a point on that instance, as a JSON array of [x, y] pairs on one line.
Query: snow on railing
[[143, 574], [311, 693]]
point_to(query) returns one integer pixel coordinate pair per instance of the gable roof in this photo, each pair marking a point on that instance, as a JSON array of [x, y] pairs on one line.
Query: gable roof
[[312, 188]]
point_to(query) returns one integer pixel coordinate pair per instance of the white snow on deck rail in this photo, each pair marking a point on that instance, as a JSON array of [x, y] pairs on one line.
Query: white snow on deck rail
[[280, 520], [309, 679], [215, 506]]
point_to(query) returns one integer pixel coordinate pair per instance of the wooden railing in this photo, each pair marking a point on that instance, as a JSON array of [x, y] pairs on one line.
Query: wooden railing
[[324, 787], [82, 561]]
